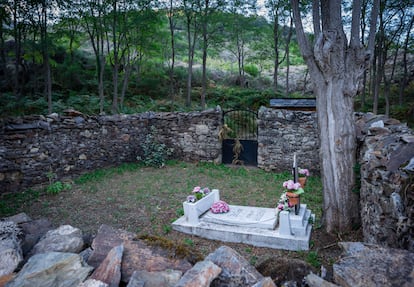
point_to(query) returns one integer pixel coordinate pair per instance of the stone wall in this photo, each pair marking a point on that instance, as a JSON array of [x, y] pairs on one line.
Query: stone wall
[[284, 132], [73, 143], [387, 181]]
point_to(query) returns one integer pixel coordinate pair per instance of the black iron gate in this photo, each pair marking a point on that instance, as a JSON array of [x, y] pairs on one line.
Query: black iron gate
[[239, 137]]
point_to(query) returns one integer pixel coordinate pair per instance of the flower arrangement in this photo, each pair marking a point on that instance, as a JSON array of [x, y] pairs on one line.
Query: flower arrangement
[[293, 187], [303, 172], [198, 193], [283, 203], [220, 207]]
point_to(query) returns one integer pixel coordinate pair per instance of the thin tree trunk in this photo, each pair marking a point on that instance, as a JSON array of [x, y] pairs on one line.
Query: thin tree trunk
[[276, 51], [171, 74], [404, 80], [287, 55]]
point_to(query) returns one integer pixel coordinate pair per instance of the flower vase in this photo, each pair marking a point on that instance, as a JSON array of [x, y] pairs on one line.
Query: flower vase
[[294, 199], [302, 181]]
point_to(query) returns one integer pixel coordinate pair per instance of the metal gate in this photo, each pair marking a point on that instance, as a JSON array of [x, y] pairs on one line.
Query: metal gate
[[239, 137]]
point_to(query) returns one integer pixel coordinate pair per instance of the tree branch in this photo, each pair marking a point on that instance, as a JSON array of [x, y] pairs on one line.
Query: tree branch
[[316, 12], [356, 19]]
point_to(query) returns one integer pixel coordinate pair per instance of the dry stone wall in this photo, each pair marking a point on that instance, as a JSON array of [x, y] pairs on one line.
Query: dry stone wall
[[284, 132], [387, 181], [71, 144]]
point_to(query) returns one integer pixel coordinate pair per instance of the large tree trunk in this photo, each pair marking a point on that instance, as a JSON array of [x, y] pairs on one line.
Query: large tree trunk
[[336, 69]]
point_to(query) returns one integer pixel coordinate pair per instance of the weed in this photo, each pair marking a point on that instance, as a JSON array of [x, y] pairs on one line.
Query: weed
[[313, 259], [166, 228], [179, 212], [188, 241], [155, 154], [253, 260], [57, 187]]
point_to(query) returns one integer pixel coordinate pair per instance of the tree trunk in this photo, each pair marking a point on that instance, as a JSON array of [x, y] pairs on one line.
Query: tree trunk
[[204, 65], [287, 55], [172, 42], [276, 51], [336, 70]]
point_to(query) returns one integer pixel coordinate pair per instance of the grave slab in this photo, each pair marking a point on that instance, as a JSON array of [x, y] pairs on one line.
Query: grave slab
[[242, 229], [244, 216]]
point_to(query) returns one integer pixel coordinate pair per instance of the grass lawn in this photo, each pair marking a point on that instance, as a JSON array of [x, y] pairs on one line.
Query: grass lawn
[[146, 200]]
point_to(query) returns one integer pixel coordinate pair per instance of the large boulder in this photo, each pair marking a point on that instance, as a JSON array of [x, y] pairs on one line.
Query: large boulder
[[201, 275], [137, 254], [236, 270], [10, 251], [63, 239], [52, 269], [109, 271], [372, 265]]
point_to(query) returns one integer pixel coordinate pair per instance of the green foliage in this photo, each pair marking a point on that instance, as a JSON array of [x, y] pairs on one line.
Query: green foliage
[[155, 154], [252, 70], [54, 186], [57, 186], [313, 259]]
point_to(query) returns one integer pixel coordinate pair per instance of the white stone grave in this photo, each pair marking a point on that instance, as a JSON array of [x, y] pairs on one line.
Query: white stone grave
[[256, 226]]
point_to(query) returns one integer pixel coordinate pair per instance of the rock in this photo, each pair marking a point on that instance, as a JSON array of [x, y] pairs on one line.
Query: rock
[[141, 278], [283, 270], [10, 251], [110, 269], [5, 279], [313, 280], [137, 254], [372, 265], [63, 239], [18, 218], [34, 230], [201, 275], [93, 283], [52, 269], [265, 282], [236, 270]]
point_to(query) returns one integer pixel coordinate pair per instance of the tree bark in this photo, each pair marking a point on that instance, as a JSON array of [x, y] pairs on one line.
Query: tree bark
[[336, 69]]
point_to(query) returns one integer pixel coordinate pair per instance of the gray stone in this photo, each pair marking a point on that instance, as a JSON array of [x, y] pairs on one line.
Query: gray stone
[[200, 275], [265, 282], [10, 251], [52, 269], [63, 239], [372, 265], [18, 218], [137, 254], [34, 230], [110, 269], [143, 278], [236, 270], [93, 283], [313, 280]]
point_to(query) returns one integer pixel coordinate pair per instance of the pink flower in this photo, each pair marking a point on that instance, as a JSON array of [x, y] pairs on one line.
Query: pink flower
[[220, 207], [304, 171], [197, 189], [291, 185]]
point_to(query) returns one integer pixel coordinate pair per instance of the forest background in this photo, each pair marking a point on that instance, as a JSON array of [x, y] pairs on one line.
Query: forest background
[[128, 56]]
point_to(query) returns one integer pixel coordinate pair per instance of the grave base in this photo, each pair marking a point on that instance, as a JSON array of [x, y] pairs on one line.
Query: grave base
[[297, 239]]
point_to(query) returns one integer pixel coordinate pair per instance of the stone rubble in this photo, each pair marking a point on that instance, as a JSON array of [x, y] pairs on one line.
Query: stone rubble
[[387, 186], [111, 264]]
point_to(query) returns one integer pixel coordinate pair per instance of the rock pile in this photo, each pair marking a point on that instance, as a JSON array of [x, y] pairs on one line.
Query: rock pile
[[35, 254], [387, 184]]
